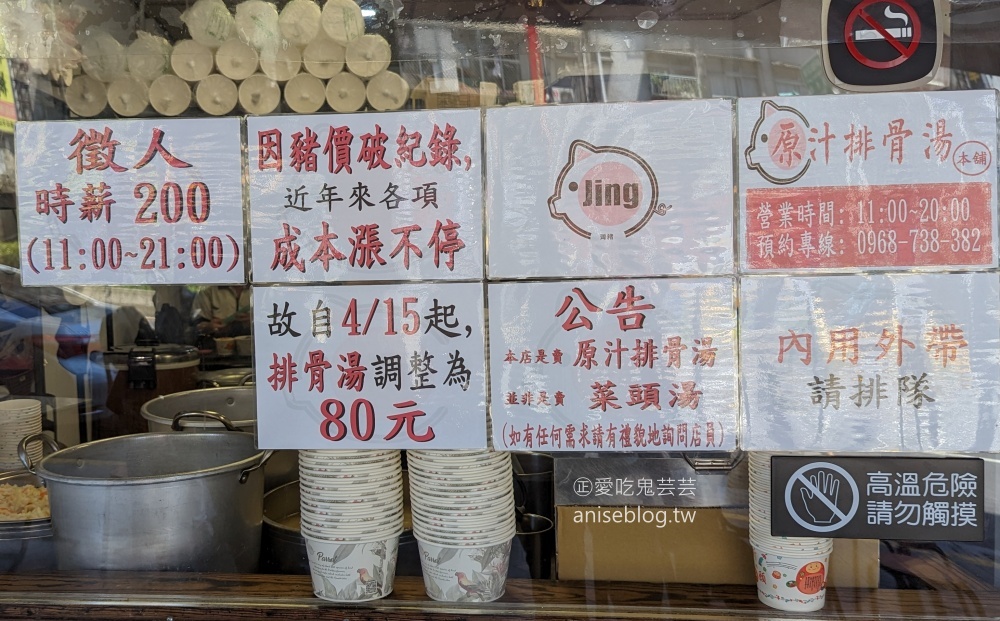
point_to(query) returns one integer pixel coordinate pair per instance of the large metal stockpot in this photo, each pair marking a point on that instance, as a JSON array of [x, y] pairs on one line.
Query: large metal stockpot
[[236, 405], [157, 502]]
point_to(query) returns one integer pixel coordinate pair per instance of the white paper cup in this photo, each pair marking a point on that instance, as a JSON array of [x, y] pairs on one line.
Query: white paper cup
[[335, 533], [477, 535], [321, 519], [484, 481], [355, 467], [225, 346], [358, 458], [461, 574], [452, 490], [793, 583], [458, 457], [464, 540], [437, 503], [340, 484], [335, 492], [13, 407], [352, 511], [450, 452], [335, 473], [352, 572], [457, 476]]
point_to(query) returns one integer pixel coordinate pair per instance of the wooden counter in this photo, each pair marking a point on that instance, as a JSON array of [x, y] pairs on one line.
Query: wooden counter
[[177, 597]]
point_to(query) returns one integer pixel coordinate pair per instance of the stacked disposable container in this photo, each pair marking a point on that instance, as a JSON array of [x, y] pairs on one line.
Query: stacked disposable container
[[791, 571], [19, 418], [462, 505], [351, 506]]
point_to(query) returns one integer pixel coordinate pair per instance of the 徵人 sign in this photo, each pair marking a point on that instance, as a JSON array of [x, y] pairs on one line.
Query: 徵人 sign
[[622, 365], [610, 190], [373, 366], [130, 202], [868, 181], [882, 362]]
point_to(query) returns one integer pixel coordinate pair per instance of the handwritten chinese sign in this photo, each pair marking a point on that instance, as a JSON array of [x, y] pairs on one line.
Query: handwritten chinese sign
[[393, 366], [643, 365], [610, 190], [871, 363], [874, 181], [366, 197], [125, 202]]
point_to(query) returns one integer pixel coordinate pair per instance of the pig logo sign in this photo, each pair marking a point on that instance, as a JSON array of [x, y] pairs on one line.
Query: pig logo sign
[[605, 191], [778, 141]]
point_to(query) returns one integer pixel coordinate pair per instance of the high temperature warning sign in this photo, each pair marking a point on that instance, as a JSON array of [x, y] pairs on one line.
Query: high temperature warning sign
[[875, 44]]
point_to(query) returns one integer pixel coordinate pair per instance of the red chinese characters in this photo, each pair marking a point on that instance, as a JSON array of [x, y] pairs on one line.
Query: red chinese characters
[[364, 247], [443, 149]]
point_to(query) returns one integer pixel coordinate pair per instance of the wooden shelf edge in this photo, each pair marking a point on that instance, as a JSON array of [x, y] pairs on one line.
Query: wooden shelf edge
[[201, 597]]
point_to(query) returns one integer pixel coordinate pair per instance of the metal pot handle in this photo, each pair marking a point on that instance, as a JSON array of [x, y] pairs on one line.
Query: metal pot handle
[[714, 463], [22, 448], [176, 424], [260, 464], [246, 379]]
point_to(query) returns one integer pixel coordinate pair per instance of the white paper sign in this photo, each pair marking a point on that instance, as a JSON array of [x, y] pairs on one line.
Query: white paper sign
[[366, 197], [630, 365], [875, 181], [374, 366], [610, 190], [871, 363], [130, 202]]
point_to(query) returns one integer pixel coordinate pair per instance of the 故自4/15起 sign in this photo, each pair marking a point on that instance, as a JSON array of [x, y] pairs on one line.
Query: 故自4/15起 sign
[[374, 366], [126, 202], [868, 181]]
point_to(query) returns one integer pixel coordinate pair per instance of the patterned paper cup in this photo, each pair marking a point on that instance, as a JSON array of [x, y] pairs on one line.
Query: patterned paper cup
[[465, 540], [793, 583], [458, 461], [341, 491], [338, 536], [352, 571], [466, 574]]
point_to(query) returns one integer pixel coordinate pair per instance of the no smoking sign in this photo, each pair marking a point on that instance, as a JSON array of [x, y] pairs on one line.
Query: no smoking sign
[[879, 45]]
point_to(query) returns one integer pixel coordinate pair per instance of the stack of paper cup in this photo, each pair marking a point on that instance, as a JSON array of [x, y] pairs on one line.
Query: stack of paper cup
[[462, 505], [19, 418], [351, 509], [791, 571]]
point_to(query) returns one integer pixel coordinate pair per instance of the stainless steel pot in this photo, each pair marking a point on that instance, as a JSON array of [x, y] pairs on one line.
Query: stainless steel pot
[[157, 502], [235, 403], [283, 550], [25, 545], [219, 407]]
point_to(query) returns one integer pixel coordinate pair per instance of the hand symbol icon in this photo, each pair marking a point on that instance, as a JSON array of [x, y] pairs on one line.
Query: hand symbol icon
[[829, 486]]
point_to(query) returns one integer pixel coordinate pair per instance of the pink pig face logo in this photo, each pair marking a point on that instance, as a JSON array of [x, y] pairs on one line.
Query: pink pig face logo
[[604, 191], [778, 143]]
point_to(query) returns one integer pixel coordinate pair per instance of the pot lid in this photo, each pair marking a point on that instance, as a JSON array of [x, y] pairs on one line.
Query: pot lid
[[163, 354], [226, 377]]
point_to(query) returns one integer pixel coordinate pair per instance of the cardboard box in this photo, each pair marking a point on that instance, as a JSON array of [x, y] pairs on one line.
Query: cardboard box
[[711, 547]]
